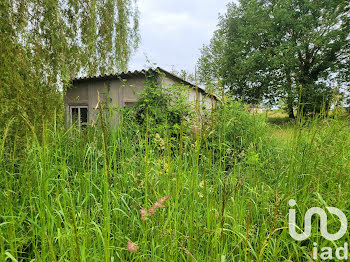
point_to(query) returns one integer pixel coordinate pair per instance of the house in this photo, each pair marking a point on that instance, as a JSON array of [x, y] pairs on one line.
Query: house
[[252, 108], [122, 90]]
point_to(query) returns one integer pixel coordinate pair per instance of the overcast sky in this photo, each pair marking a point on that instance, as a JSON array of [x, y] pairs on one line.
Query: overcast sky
[[173, 31]]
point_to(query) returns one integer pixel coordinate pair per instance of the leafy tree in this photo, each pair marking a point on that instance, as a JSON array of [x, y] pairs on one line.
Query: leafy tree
[[185, 75], [285, 49], [44, 44], [210, 64]]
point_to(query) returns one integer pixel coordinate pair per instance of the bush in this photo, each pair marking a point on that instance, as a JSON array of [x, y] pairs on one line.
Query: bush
[[234, 132], [158, 110]]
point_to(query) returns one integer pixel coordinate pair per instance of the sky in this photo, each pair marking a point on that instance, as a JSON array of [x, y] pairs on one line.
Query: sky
[[173, 31]]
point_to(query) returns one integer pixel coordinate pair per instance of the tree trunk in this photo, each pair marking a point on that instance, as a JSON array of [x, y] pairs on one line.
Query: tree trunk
[[291, 112], [290, 104]]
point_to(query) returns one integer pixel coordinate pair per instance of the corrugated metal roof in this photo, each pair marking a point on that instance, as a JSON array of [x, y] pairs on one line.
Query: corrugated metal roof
[[141, 72], [120, 75]]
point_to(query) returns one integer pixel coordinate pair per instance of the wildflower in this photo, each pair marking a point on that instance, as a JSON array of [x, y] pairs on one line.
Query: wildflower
[[202, 184], [132, 247], [159, 141], [166, 167], [200, 194], [241, 154]]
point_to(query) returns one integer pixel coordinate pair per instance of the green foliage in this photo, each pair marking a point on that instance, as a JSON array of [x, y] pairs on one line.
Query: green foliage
[[210, 64], [160, 110], [185, 75], [56, 203], [267, 49], [68, 37], [43, 45], [234, 132]]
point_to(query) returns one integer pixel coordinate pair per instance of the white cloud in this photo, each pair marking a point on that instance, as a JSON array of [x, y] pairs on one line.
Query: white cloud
[[172, 32], [172, 21]]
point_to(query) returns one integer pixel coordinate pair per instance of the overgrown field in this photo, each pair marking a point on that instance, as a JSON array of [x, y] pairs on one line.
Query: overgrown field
[[217, 194]]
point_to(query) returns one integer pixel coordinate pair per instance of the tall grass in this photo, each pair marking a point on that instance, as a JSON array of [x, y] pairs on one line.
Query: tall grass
[[229, 187]]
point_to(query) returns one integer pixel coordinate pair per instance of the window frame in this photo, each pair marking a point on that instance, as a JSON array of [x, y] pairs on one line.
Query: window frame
[[129, 102], [79, 114]]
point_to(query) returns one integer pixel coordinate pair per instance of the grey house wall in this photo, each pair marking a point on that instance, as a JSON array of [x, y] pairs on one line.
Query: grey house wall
[[119, 92], [192, 94], [86, 94]]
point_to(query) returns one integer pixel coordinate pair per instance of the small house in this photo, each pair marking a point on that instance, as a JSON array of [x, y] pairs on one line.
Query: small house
[[122, 90], [253, 108]]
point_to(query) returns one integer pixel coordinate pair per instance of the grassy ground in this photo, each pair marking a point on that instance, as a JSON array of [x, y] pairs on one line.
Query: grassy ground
[[281, 129], [126, 196]]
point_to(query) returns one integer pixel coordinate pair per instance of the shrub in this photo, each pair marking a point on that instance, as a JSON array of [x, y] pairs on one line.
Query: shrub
[[234, 132], [158, 110]]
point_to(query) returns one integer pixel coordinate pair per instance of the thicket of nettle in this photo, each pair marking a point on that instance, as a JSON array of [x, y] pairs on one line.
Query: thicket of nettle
[[153, 188]]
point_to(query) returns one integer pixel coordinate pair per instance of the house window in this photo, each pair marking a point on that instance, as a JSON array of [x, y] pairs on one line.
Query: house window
[[129, 102], [79, 115]]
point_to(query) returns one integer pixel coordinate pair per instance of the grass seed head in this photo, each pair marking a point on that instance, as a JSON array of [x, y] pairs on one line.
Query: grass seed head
[[132, 247], [150, 212]]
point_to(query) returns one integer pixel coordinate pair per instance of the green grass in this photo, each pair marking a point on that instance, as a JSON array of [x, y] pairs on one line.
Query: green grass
[[76, 198]]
